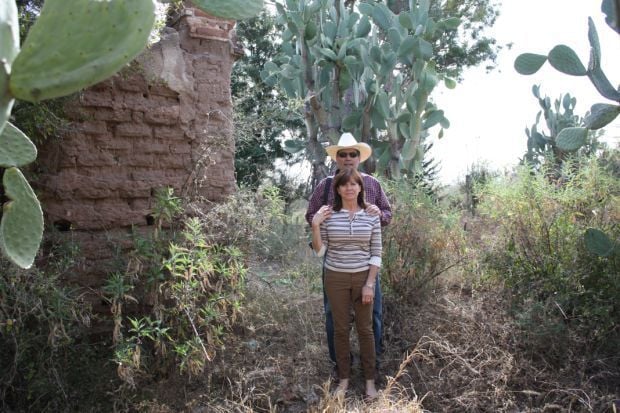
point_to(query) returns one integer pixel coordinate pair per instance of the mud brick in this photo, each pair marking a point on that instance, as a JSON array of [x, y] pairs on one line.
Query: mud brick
[[163, 115], [133, 129]]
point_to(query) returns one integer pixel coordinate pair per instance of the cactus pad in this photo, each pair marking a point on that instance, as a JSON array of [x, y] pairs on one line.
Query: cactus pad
[[15, 148], [9, 47], [529, 63], [571, 139], [6, 101], [564, 59], [601, 114], [231, 9], [9, 31], [75, 45], [21, 228]]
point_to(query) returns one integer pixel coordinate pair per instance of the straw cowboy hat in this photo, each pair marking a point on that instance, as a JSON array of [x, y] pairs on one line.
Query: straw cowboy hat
[[347, 141]]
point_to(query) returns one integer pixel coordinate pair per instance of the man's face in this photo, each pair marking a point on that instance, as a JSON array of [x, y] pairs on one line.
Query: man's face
[[348, 158]]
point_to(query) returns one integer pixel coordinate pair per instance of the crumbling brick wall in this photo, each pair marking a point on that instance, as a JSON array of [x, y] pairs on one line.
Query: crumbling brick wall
[[166, 121]]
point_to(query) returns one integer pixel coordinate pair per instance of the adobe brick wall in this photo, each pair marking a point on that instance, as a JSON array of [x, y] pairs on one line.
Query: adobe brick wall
[[164, 122]]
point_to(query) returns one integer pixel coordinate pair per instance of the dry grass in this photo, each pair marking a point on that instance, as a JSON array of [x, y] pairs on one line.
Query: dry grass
[[459, 350]]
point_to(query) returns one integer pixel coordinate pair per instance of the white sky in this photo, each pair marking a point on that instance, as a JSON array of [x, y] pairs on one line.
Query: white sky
[[489, 112]]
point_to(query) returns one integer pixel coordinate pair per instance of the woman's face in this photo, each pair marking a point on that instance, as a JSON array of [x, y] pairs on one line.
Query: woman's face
[[349, 190]]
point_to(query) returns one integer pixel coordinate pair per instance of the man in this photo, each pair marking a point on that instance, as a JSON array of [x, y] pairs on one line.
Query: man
[[348, 153]]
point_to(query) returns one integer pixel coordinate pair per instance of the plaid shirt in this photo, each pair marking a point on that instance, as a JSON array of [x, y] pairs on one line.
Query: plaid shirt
[[373, 195]]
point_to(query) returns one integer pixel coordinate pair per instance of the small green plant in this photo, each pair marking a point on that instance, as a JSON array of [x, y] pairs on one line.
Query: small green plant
[[197, 300]]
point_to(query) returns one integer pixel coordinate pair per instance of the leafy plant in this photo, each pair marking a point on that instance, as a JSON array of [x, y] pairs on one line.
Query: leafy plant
[[92, 40], [197, 297], [539, 253], [41, 326]]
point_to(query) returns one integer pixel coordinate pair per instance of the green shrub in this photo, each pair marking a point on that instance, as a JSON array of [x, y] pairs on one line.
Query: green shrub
[[423, 241], [175, 313], [539, 251], [40, 322]]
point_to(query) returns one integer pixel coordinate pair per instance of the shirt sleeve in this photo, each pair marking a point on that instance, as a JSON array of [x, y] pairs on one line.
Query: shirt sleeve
[[321, 252], [316, 201], [382, 202], [375, 245]]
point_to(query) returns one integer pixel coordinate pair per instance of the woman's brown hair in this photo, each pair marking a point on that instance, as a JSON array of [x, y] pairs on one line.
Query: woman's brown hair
[[344, 177]]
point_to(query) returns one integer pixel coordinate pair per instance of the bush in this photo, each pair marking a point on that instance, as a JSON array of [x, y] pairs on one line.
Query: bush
[[40, 322], [539, 251], [423, 241], [257, 223], [188, 301]]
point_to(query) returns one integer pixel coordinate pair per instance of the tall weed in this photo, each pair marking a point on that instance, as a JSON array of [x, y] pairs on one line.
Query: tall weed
[[539, 252], [423, 241]]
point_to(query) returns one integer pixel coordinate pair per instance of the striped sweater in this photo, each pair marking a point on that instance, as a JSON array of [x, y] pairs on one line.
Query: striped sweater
[[351, 244]]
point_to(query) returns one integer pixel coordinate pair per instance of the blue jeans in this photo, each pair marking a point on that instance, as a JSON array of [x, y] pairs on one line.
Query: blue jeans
[[377, 322]]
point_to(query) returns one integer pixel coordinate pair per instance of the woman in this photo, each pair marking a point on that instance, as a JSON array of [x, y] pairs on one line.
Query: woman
[[351, 240]]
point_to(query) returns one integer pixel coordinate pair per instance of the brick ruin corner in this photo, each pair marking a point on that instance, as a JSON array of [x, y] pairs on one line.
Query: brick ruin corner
[[165, 121]]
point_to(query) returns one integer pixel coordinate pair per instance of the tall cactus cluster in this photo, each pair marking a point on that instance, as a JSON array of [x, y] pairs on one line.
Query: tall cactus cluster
[[557, 117], [565, 60], [71, 46], [363, 69]]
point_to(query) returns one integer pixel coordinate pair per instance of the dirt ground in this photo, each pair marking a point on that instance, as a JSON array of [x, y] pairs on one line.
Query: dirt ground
[[456, 349]]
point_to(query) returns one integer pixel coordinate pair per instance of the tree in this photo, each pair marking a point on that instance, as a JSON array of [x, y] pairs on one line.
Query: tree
[[363, 69], [262, 114]]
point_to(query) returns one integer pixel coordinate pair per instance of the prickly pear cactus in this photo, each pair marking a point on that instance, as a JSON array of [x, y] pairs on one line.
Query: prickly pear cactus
[[9, 47], [21, 228], [364, 70], [15, 148], [231, 9], [76, 44], [565, 60]]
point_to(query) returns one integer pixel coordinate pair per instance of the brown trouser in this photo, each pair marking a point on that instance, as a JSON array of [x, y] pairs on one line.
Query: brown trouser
[[343, 291]]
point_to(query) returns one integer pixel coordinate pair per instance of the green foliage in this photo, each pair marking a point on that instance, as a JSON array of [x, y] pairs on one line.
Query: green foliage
[[469, 46], [231, 9], [565, 60], [259, 223], [539, 251], [193, 300], [364, 70], [422, 242], [41, 325], [261, 115], [555, 141]]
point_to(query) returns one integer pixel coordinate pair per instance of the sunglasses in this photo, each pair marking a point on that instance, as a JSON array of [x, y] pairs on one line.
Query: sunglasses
[[348, 154]]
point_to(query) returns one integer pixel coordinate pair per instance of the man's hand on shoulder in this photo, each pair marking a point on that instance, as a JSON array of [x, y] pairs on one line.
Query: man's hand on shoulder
[[373, 210]]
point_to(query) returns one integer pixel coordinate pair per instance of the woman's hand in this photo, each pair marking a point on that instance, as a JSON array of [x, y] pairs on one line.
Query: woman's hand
[[321, 215], [368, 294]]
